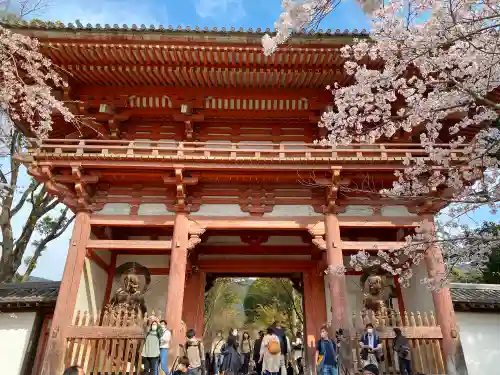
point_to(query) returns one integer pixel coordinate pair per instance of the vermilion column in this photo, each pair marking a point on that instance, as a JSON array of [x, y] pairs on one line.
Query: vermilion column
[[54, 360], [443, 304], [194, 302], [337, 284], [336, 280], [177, 278]]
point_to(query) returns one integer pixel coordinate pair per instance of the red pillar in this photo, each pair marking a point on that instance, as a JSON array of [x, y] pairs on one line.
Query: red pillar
[[337, 285], [311, 327], [177, 279], [194, 302], [65, 306], [336, 280], [443, 304]]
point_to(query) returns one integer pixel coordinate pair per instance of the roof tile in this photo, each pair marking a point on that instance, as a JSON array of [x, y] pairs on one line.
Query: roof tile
[[29, 293]]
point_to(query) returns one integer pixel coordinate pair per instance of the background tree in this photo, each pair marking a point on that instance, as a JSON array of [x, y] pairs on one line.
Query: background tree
[[27, 81], [221, 306], [428, 73], [268, 298]]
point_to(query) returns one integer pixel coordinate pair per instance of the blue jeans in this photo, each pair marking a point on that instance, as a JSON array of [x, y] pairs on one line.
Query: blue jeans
[[217, 362], [329, 370], [164, 360]]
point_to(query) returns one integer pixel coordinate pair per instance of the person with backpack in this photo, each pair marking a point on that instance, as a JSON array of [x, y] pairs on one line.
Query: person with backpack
[[164, 345], [270, 353], [195, 353], [284, 343], [401, 347], [151, 348], [216, 356], [326, 354]]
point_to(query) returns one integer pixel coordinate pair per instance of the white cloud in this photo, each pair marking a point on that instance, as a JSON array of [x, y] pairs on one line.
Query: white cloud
[[107, 11], [223, 10]]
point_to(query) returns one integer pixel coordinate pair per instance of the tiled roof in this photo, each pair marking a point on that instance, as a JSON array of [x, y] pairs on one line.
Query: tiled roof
[[29, 294], [49, 25], [475, 296]]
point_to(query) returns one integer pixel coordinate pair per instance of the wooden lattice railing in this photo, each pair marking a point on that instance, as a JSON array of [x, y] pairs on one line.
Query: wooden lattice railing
[[220, 151], [112, 344], [108, 343], [422, 331]]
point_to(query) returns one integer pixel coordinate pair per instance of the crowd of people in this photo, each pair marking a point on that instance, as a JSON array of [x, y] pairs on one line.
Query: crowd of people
[[270, 353]]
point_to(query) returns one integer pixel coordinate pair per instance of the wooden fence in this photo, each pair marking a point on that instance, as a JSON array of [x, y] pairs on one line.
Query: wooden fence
[[422, 332], [112, 344]]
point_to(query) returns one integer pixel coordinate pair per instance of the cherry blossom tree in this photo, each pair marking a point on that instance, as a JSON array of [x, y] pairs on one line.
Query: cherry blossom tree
[[27, 101], [430, 73]]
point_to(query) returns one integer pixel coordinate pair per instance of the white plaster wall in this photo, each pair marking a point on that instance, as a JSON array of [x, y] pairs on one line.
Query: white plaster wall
[[292, 210], [220, 210], [354, 295], [115, 209], [479, 333], [92, 289], [417, 297], [15, 332], [357, 210], [149, 261]]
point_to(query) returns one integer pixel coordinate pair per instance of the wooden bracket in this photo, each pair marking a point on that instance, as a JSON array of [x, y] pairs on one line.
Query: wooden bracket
[[180, 181]]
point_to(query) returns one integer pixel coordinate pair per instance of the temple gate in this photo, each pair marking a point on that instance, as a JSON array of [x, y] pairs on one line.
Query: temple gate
[[196, 155]]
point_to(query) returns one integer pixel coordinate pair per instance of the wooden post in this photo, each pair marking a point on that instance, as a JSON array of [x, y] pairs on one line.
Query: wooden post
[[193, 306], [64, 311], [445, 313], [337, 283], [177, 280], [311, 326]]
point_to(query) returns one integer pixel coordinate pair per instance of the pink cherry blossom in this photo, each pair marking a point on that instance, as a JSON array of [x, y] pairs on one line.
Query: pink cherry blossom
[[429, 68], [27, 81]]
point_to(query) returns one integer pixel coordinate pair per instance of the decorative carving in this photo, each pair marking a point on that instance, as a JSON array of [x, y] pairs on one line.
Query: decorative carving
[[180, 181], [317, 231], [257, 202], [129, 296], [195, 233], [319, 242], [254, 239]]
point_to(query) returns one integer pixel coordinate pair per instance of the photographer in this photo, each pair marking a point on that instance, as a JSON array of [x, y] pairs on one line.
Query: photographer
[[371, 347]]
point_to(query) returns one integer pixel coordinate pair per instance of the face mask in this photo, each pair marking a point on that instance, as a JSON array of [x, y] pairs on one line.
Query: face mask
[[235, 332], [154, 326], [369, 330]]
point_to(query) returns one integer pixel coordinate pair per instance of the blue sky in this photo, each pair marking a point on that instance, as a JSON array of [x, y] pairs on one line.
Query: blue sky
[[211, 13]]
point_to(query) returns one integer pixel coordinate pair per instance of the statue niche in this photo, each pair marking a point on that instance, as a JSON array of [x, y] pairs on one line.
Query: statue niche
[[129, 297]]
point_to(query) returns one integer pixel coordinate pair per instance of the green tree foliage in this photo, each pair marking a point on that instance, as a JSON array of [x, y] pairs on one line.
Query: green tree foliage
[[490, 273], [268, 299], [221, 306]]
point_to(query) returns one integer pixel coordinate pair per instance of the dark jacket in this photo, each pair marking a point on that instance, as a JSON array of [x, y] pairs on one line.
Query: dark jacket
[[256, 349], [232, 359], [401, 346]]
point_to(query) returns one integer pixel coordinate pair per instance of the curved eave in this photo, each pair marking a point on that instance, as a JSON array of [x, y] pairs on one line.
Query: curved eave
[[57, 30]]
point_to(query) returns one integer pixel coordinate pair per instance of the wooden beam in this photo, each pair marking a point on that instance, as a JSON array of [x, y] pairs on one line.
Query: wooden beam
[[134, 221], [255, 267], [129, 245], [414, 333], [251, 223], [98, 332], [371, 245], [254, 250], [97, 260]]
